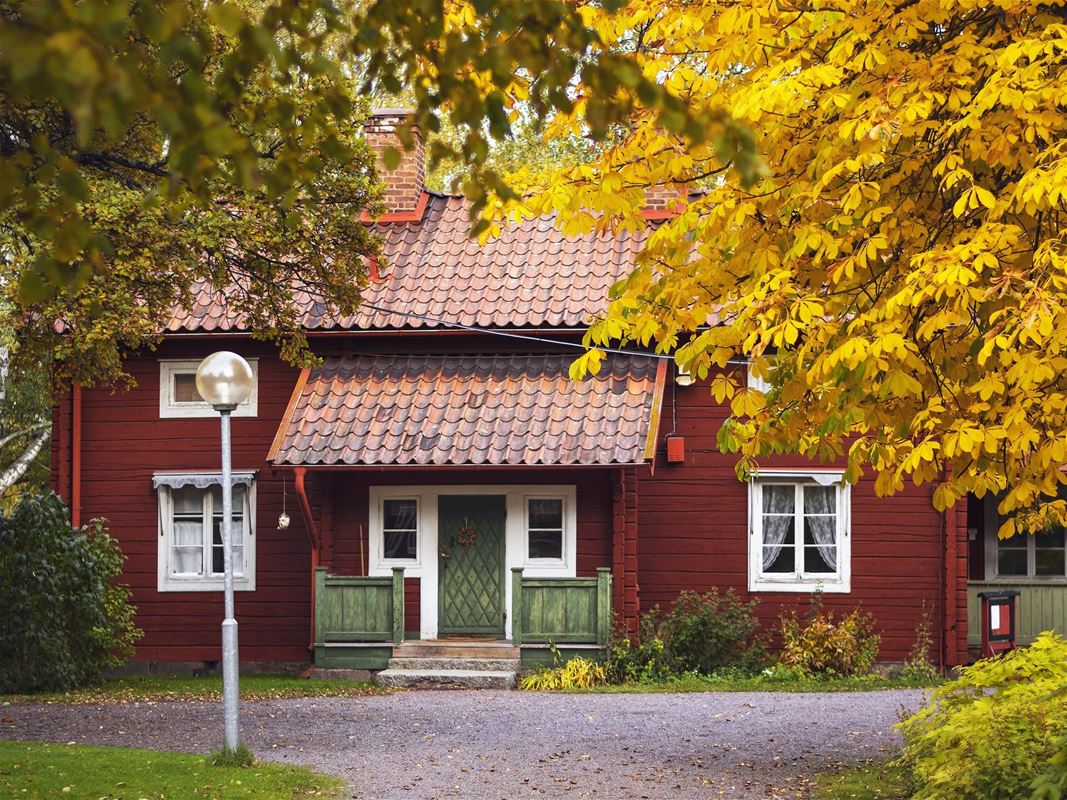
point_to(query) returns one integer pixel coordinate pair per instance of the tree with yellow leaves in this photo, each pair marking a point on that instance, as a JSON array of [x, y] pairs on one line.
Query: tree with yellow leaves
[[899, 275]]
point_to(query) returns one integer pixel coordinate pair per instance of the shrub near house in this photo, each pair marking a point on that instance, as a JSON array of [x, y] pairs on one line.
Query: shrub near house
[[997, 731], [62, 620]]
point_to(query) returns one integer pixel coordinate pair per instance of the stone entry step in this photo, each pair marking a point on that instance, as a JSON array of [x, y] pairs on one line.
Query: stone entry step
[[448, 648], [474, 664], [453, 663], [447, 678]]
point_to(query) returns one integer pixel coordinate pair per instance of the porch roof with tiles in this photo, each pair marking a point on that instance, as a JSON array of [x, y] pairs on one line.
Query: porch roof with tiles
[[459, 410]]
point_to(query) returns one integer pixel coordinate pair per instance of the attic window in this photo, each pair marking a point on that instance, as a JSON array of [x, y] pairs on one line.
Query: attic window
[[178, 397]]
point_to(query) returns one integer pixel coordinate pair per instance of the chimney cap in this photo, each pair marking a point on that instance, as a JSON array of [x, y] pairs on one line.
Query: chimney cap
[[393, 112]]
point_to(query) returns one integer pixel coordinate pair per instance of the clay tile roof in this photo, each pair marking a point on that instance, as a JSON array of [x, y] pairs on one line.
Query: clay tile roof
[[530, 276], [507, 410]]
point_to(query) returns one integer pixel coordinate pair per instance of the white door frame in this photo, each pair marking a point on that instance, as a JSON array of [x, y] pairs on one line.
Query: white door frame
[[424, 566]]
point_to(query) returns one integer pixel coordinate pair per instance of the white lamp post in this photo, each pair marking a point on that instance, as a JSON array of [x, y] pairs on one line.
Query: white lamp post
[[224, 380]]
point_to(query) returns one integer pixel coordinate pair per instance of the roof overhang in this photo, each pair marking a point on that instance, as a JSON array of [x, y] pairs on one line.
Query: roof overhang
[[471, 410]]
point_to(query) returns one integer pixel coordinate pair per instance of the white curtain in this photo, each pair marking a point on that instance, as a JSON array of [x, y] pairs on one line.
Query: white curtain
[[777, 500], [188, 549], [820, 515]]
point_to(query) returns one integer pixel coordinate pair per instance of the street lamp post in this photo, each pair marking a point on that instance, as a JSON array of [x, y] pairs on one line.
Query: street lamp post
[[224, 380]]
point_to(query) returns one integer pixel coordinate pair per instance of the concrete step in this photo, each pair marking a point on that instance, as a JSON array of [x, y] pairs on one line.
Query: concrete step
[[450, 678], [470, 664], [437, 648]]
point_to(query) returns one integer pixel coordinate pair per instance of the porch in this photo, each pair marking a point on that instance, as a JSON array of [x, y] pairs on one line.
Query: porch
[[504, 492], [1035, 565], [359, 622]]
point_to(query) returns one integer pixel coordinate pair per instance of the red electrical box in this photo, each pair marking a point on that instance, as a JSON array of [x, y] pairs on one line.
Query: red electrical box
[[998, 621], [675, 449]]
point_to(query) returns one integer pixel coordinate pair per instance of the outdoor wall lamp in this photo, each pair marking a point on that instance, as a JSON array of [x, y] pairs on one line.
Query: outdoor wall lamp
[[224, 380]]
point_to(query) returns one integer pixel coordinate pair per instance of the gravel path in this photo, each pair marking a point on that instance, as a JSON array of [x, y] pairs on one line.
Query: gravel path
[[487, 744]]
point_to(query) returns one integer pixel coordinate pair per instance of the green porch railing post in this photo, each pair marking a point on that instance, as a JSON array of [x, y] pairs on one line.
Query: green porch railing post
[[320, 599], [516, 606], [398, 605], [603, 606]]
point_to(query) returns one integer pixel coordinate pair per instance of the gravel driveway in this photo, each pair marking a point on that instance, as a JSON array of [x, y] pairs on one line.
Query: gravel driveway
[[488, 744]]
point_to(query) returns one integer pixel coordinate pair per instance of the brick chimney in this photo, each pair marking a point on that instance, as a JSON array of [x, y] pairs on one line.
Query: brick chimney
[[665, 199], [403, 185]]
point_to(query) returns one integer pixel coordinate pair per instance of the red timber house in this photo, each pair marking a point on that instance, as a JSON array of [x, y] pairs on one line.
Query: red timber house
[[445, 479]]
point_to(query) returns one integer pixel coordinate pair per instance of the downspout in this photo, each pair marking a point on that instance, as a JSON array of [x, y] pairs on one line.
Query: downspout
[[950, 585], [76, 457], [313, 538]]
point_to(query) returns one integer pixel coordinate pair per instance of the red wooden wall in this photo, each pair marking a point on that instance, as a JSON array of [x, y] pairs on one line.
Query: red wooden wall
[[693, 524], [124, 441], [691, 528]]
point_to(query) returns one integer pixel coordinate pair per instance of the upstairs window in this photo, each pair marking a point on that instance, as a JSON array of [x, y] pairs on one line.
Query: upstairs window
[[799, 536], [190, 535], [179, 398]]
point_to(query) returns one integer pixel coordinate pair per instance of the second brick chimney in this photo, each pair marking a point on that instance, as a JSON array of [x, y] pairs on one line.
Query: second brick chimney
[[405, 184]]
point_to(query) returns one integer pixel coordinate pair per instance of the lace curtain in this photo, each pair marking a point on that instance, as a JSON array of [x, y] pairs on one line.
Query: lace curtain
[[777, 500], [820, 517]]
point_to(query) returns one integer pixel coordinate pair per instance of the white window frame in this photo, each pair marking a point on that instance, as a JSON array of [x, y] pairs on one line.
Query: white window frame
[[515, 539], [166, 582], [755, 382], [170, 408], [568, 544], [992, 547], [377, 523], [758, 580]]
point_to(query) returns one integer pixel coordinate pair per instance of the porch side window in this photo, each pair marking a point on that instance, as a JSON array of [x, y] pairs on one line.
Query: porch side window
[[1040, 555], [400, 529], [179, 398], [190, 538], [544, 529], [799, 537]]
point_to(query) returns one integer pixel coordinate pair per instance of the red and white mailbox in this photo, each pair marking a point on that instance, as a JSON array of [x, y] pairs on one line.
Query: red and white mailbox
[[998, 621]]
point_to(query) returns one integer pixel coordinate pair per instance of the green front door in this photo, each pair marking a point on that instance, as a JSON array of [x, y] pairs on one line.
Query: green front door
[[470, 537]]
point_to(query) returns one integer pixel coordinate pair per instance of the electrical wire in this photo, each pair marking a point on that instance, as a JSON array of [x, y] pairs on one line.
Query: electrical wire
[[523, 336]]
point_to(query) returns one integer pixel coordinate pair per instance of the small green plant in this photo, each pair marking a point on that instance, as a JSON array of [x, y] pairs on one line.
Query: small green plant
[[1052, 783], [62, 618], [823, 646], [987, 734], [704, 633], [641, 658], [240, 757], [577, 673], [919, 667]]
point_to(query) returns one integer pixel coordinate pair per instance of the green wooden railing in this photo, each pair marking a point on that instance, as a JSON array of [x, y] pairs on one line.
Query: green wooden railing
[[561, 610], [1040, 606], [359, 609]]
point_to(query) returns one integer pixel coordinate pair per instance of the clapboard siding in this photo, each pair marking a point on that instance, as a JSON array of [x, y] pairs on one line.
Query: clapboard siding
[[693, 534], [124, 441]]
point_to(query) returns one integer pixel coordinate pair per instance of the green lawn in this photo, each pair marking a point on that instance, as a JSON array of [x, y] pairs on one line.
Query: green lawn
[[42, 770], [759, 683], [159, 687], [871, 781]]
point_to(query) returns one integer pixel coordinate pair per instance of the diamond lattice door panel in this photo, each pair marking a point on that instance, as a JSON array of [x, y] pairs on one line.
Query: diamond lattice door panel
[[470, 535]]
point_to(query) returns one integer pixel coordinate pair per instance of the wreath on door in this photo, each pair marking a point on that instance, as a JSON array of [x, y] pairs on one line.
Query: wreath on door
[[467, 535]]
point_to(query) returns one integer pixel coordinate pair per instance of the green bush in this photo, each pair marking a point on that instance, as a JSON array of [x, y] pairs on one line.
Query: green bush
[[987, 734], [707, 632], [62, 620], [640, 659], [823, 647], [701, 634]]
